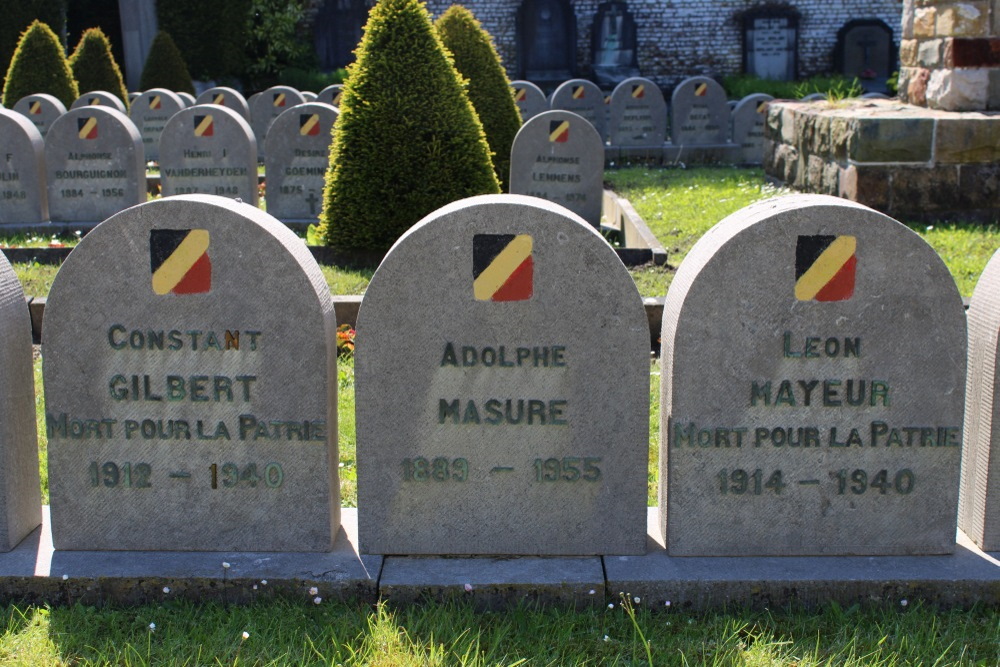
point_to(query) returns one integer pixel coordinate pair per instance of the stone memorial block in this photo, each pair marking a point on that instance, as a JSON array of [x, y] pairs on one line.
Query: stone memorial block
[[150, 113], [546, 35], [558, 156], [699, 112], [529, 98], [748, 119], [271, 103], [23, 197], [94, 164], [812, 388], [638, 114], [99, 98], [613, 44], [583, 98], [331, 94], [20, 491], [979, 503], [227, 97], [865, 51], [187, 409], [298, 156], [770, 45], [479, 431], [189, 99], [209, 149], [40, 109]]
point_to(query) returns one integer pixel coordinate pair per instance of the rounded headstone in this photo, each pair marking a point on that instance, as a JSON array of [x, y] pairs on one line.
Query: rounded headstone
[[638, 114], [529, 98], [271, 103], [99, 98], [189, 99], [583, 98], [331, 94], [559, 156], [481, 430], [748, 118], [699, 112], [40, 109], [150, 112], [94, 164], [298, 156], [176, 420], [812, 387], [814, 97], [209, 149], [226, 97], [132, 95], [23, 196], [309, 96]]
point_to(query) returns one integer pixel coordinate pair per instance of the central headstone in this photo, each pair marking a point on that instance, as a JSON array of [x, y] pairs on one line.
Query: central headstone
[[583, 98], [511, 415], [298, 156], [150, 112], [699, 113], [638, 114], [812, 387], [187, 408]]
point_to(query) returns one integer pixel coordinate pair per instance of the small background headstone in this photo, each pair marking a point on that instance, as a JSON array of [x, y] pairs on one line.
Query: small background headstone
[[23, 196], [227, 97], [865, 51], [638, 114], [40, 109], [331, 94], [770, 43], [613, 35], [150, 112], [298, 156], [583, 98], [749, 117], [189, 99], [99, 98], [271, 103], [529, 98], [699, 112]]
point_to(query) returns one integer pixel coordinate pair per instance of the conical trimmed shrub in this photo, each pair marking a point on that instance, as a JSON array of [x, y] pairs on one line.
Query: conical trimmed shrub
[[17, 15], [477, 60], [165, 67], [407, 140], [94, 68], [39, 66]]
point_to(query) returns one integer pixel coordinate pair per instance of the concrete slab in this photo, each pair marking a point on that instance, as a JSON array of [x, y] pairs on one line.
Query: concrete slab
[[494, 583], [697, 583], [34, 572]]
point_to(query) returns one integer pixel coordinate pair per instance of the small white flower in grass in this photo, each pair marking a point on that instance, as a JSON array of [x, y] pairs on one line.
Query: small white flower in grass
[[152, 627], [225, 565], [667, 603], [313, 591], [592, 592], [166, 589], [637, 599], [930, 228], [611, 605], [317, 600], [65, 577], [255, 586], [263, 582], [903, 602], [468, 588], [606, 638], [246, 635]]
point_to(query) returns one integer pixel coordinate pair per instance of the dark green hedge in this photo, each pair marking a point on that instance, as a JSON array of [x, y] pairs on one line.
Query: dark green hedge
[[165, 67], [17, 15], [94, 68], [39, 66], [212, 36]]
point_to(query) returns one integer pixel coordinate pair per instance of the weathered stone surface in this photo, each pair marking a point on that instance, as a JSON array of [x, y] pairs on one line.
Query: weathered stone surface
[[209, 149], [993, 101], [23, 196], [929, 54], [479, 431], [529, 98], [749, 118], [916, 81], [924, 19], [967, 138], [866, 185], [958, 89], [298, 156], [99, 98], [559, 156], [226, 97], [638, 114], [94, 164], [175, 421], [926, 189], [150, 112], [963, 19], [585, 99], [891, 140], [812, 387], [40, 109], [908, 53], [699, 113], [972, 52]]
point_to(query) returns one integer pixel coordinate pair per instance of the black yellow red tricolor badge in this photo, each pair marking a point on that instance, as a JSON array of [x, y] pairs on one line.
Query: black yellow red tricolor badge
[[701, 90], [87, 127], [520, 94], [825, 267], [579, 92], [502, 267], [95, 101], [638, 91], [36, 108], [155, 102], [178, 260], [309, 124], [204, 126], [336, 100], [279, 99], [220, 99], [559, 131], [762, 107]]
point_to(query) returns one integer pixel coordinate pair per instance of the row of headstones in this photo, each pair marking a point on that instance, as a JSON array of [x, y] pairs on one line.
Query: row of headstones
[[812, 389], [92, 161]]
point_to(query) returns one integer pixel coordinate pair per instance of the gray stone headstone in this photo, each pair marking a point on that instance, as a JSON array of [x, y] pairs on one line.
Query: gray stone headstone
[[812, 387], [23, 196], [20, 490], [150, 112], [699, 112], [770, 43], [309, 96], [271, 103], [638, 114], [209, 149], [749, 117], [331, 94], [559, 156], [814, 97], [979, 504], [226, 97], [298, 155], [480, 431], [585, 99], [187, 408], [94, 164], [865, 51], [41, 109], [98, 98], [132, 95], [189, 99], [529, 98]]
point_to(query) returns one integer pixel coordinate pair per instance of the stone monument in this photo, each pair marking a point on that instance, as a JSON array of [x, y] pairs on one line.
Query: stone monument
[[298, 156], [23, 195]]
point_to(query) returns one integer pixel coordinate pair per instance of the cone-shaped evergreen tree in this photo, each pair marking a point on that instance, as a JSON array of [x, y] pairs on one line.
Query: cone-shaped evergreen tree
[[17, 15], [94, 68], [407, 140], [39, 66], [477, 60], [165, 67]]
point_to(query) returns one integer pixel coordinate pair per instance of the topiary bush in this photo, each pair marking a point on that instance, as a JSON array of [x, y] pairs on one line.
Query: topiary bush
[[17, 15], [94, 68], [477, 60], [212, 36], [407, 140], [165, 67], [39, 66]]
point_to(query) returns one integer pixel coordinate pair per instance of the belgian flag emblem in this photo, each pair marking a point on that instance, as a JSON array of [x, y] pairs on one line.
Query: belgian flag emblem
[[502, 267], [520, 94], [309, 124], [95, 101], [179, 262], [279, 99], [638, 91], [204, 126], [155, 102], [825, 267], [36, 108], [87, 127], [559, 131], [701, 90], [219, 99], [336, 100], [579, 92], [762, 107]]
